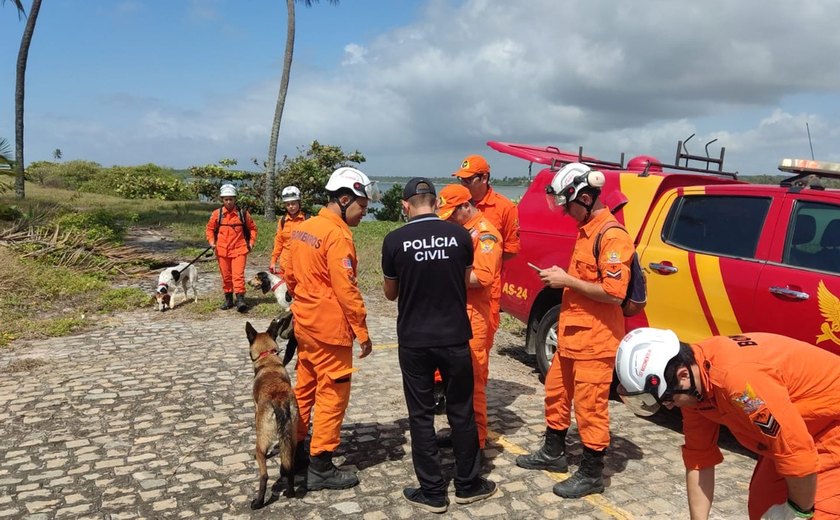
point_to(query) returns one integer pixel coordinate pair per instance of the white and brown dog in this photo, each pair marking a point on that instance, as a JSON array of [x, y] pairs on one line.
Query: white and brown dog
[[268, 282], [168, 285]]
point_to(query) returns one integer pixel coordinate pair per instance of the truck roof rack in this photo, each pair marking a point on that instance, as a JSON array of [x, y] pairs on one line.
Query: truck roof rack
[[682, 154], [589, 161], [805, 168]]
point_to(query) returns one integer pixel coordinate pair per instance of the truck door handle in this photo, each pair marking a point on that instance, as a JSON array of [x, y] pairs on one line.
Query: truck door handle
[[663, 268], [790, 293]]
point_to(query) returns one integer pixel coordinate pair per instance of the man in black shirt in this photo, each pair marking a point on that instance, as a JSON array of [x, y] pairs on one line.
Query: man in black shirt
[[427, 264]]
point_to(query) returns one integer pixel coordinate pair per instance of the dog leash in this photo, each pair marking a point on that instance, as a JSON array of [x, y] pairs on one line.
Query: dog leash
[[177, 274]]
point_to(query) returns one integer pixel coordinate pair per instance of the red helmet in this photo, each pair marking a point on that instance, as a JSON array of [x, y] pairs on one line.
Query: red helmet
[[640, 162]]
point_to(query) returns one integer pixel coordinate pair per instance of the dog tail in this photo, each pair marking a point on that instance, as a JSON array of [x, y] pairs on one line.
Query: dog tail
[[286, 417]]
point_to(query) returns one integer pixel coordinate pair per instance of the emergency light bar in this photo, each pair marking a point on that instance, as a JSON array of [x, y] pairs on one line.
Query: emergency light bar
[[809, 167]]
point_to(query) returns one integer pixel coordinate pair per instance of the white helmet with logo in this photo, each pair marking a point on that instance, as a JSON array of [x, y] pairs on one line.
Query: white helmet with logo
[[290, 193], [227, 190], [567, 183], [356, 181], [640, 365]]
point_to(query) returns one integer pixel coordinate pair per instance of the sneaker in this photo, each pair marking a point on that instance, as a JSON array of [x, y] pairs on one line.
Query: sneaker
[[416, 497], [482, 489]]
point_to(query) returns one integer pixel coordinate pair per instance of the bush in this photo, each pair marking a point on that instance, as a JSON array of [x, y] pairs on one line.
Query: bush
[[391, 209], [309, 172], [147, 181], [98, 224], [9, 213], [69, 175]]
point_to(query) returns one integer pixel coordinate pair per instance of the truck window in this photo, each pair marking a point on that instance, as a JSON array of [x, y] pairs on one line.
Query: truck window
[[813, 237], [717, 224]]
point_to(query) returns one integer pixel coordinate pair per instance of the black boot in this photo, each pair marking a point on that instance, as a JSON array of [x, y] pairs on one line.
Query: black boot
[[323, 474], [551, 456], [588, 479], [240, 303], [228, 301]]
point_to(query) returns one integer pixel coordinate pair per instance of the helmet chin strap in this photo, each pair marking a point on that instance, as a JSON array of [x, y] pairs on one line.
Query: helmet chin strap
[[345, 206]]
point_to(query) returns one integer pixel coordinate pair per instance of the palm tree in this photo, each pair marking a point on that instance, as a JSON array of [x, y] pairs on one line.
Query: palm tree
[[271, 165], [23, 54]]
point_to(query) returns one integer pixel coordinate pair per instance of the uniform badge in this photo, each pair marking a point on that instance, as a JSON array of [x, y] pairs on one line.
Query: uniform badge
[[615, 275], [748, 401], [488, 242], [613, 257], [768, 424], [347, 263]]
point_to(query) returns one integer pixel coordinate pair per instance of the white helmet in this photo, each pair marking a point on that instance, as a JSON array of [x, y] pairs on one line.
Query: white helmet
[[640, 366], [290, 193], [567, 183], [356, 181], [227, 190]]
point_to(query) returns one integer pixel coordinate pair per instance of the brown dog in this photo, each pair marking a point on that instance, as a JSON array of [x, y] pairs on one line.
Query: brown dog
[[275, 406]]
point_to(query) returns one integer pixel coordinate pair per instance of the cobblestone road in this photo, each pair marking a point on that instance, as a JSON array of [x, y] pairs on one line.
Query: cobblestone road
[[151, 416]]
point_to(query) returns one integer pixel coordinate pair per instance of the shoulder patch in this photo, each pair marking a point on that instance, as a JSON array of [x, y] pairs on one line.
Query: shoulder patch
[[488, 242], [613, 257], [748, 401], [768, 424]]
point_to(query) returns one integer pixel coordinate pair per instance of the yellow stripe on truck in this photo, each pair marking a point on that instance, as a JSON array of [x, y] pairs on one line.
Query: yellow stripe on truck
[[711, 280]]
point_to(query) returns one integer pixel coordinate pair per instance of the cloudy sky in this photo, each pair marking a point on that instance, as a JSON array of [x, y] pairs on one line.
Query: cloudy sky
[[416, 85]]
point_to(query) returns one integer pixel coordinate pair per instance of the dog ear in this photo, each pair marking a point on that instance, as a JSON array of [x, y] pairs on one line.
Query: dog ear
[[250, 332]]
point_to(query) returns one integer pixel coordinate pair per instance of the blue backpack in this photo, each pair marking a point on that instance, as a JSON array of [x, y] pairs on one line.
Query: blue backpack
[[636, 298]]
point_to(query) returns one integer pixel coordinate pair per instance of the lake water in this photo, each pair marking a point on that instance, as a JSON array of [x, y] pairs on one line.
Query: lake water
[[514, 193]]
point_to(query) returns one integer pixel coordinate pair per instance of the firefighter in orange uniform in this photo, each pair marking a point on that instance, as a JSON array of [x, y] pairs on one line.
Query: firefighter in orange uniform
[[590, 326], [329, 313], [780, 398], [285, 224], [232, 233], [498, 210], [455, 206]]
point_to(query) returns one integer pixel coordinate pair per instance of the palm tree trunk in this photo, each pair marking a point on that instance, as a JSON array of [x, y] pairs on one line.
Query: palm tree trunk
[[23, 54], [278, 112]]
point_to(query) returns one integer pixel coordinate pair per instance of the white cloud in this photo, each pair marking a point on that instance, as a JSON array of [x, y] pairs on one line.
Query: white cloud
[[612, 76]]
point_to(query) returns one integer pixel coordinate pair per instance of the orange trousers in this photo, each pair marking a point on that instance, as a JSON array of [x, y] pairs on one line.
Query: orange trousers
[[768, 487], [587, 382], [323, 381], [232, 269]]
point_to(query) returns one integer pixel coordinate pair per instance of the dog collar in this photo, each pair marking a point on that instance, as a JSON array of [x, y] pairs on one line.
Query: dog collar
[[264, 354], [275, 286]]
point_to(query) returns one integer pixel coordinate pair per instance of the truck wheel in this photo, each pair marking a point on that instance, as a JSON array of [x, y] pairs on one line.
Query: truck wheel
[[546, 339]]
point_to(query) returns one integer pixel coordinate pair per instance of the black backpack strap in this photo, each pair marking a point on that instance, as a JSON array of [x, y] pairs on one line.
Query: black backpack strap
[[596, 246], [246, 230], [218, 226]]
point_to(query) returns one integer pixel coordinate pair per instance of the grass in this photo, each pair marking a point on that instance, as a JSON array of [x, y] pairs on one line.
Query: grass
[[41, 300]]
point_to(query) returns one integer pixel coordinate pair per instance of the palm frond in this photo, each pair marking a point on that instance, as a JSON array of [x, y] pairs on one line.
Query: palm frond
[[20, 9]]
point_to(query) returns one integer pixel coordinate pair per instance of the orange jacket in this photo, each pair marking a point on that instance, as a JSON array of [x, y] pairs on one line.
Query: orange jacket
[[321, 273], [776, 395], [487, 263], [231, 240], [281, 238], [589, 329], [502, 213]]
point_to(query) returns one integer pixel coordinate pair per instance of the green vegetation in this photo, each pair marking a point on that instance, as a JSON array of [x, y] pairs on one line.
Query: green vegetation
[[391, 205]]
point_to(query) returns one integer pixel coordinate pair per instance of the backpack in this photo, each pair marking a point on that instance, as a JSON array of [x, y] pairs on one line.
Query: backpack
[[246, 231], [636, 297]]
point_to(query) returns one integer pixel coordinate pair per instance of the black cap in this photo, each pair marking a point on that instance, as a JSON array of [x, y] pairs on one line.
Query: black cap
[[418, 186]]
